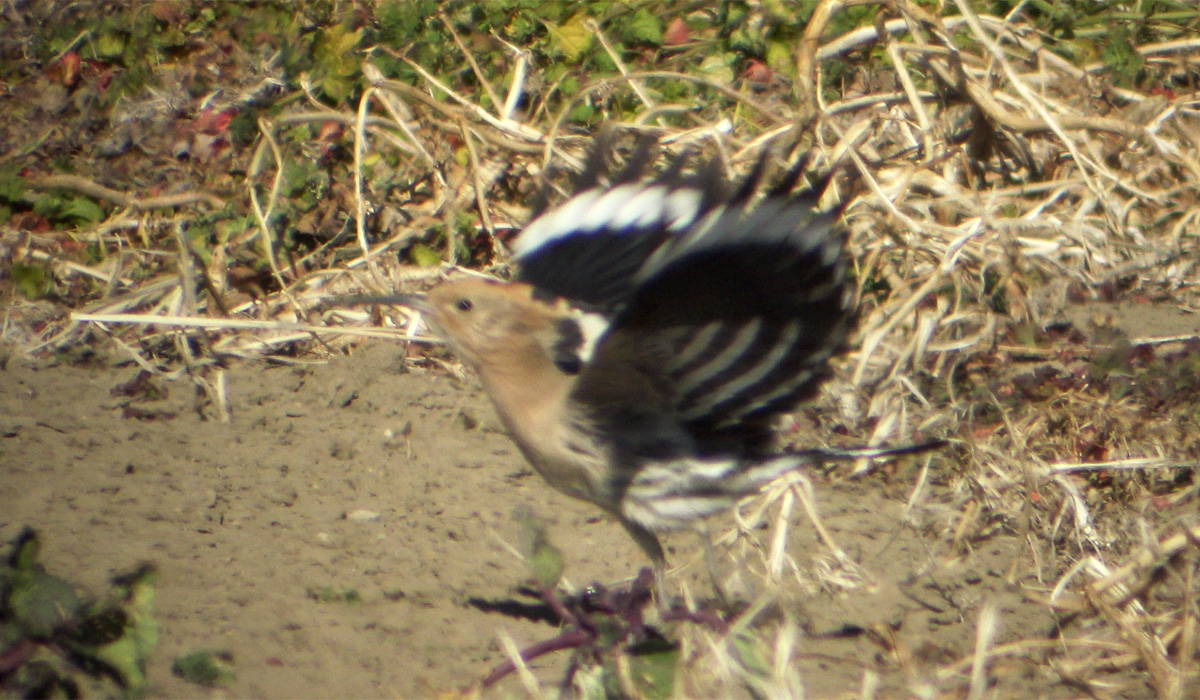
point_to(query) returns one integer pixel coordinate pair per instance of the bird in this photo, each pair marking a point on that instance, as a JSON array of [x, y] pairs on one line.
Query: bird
[[657, 328]]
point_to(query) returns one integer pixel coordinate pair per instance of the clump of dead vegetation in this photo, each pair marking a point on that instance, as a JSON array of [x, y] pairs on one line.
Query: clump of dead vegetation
[[1011, 199]]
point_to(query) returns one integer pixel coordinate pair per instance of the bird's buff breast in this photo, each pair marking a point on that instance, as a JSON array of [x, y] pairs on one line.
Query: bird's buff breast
[[572, 470], [566, 476], [533, 401]]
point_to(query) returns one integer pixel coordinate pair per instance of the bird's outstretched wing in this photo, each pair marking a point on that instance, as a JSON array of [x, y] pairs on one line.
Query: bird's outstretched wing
[[729, 322], [590, 248]]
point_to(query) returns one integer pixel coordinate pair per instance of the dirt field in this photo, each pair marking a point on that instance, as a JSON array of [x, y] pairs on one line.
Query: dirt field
[[188, 182], [356, 475]]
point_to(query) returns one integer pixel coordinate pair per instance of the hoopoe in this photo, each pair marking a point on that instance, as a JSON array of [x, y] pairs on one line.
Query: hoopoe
[[656, 329]]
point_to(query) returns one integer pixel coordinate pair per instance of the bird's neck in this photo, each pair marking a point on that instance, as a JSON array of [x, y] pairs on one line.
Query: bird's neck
[[529, 391], [534, 404]]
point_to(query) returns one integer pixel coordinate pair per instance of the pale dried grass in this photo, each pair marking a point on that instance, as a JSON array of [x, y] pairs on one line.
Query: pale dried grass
[[1017, 185]]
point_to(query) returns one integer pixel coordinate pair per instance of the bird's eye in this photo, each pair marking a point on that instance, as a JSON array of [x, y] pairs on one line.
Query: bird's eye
[[464, 305]]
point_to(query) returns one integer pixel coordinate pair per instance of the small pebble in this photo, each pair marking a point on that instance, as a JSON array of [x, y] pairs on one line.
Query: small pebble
[[363, 516]]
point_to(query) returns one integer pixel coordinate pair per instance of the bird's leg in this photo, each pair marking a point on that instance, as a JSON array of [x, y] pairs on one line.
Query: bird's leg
[[649, 543], [594, 623], [552, 600], [710, 562]]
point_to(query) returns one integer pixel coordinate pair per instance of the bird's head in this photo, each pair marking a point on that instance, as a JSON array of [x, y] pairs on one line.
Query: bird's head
[[485, 320]]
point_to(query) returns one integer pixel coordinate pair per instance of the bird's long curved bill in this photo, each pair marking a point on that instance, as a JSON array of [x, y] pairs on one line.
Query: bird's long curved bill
[[416, 302]]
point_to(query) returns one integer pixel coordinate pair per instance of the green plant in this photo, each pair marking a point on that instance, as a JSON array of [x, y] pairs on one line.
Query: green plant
[[52, 639]]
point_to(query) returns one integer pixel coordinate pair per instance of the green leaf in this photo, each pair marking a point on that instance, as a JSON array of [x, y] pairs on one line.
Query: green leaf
[[42, 679], [41, 603], [33, 281], [1119, 388], [581, 113], [25, 550], [120, 635], [546, 564], [338, 61], [1121, 56], [110, 46], [645, 27], [568, 85], [206, 668], [572, 38], [545, 561], [652, 665], [603, 60], [108, 640], [137, 590], [523, 27], [49, 205], [59, 206], [103, 626], [422, 255], [201, 22], [779, 57], [243, 129], [400, 20], [82, 208], [300, 175], [343, 42], [718, 68], [122, 657], [12, 185]]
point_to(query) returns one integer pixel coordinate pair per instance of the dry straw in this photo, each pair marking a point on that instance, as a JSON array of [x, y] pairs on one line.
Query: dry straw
[[1013, 180]]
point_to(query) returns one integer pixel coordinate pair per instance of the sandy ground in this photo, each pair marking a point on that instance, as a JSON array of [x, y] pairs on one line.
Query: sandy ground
[[245, 519]]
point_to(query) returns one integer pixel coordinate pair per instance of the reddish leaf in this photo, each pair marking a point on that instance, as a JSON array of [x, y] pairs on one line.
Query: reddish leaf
[[330, 138], [984, 432], [677, 33], [213, 122], [757, 72], [28, 221], [329, 131], [69, 67], [104, 79], [166, 12]]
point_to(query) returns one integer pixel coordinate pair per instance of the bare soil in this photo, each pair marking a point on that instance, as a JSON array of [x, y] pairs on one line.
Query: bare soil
[[345, 531], [250, 520]]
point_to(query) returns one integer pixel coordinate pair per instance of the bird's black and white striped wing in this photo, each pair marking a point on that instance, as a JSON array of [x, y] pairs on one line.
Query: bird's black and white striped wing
[[731, 322], [590, 248]]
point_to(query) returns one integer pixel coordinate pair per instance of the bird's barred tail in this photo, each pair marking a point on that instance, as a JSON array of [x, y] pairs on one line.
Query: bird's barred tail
[[670, 494]]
